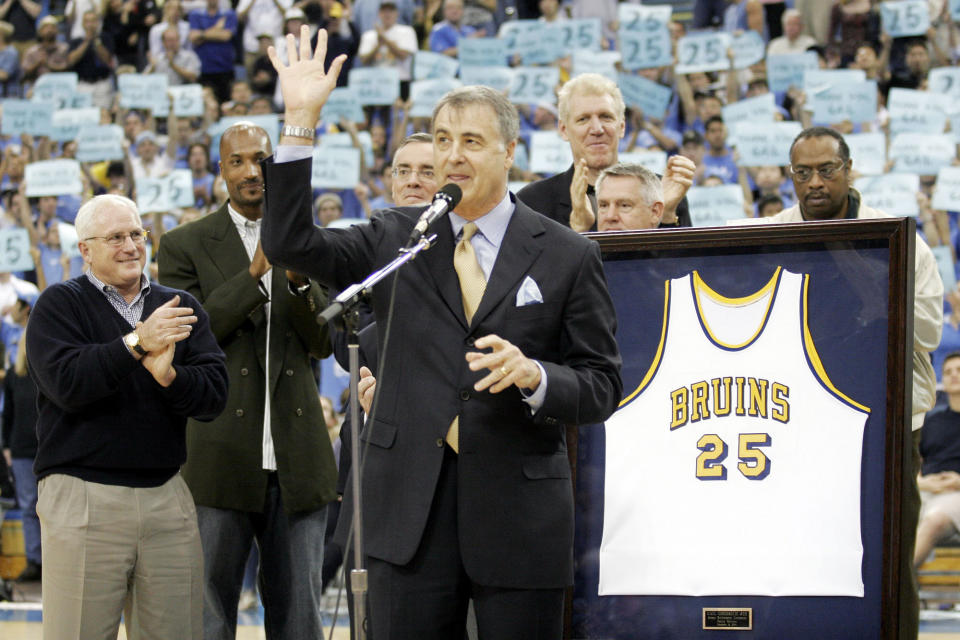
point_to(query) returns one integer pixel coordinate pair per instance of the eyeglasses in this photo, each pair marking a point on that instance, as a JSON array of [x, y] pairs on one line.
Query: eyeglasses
[[827, 172], [138, 236], [405, 173]]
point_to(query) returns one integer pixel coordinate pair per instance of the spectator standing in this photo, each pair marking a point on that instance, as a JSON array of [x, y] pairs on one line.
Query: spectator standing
[[149, 163], [198, 161], [23, 14], [853, 23], [47, 54], [263, 79], [718, 160], [366, 13], [119, 367], [9, 63], [390, 44], [20, 449], [343, 38], [793, 40], [92, 60], [181, 66], [172, 17], [265, 469], [211, 32], [260, 17], [445, 35]]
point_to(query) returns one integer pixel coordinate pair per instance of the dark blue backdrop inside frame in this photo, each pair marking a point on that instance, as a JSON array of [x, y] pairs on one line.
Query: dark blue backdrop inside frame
[[848, 321]]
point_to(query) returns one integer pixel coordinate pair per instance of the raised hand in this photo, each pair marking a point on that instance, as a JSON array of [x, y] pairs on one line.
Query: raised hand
[[304, 84]]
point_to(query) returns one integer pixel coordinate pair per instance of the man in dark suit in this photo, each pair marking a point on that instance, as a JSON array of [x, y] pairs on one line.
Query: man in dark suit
[[265, 469], [592, 120], [466, 484]]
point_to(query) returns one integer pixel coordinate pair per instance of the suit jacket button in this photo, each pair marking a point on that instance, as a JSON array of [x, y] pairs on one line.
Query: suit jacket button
[[551, 421], [239, 332], [239, 413], [299, 412], [289, 372], [464, 394], [244, 371], [439, 442], [471, 342]]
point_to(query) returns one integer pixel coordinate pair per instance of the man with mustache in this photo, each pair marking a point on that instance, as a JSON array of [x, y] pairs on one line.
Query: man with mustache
[[820, 164], [264, 470]]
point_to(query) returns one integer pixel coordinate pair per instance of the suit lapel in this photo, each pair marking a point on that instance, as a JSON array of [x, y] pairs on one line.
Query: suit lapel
[[518, 251], [279, 299], [438, 262]]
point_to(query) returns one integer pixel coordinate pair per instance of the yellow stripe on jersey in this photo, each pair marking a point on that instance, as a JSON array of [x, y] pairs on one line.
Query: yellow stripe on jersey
[[663, 339], [814, 357], [767, 290]]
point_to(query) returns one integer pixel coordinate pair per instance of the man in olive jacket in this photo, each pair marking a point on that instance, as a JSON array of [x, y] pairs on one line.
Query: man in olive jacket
[[256, 473]]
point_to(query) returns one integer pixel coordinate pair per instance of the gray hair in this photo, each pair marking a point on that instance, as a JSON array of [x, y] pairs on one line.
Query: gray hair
[[413, 138], [91, 209], [508, 122], [590, 84], [790, 13], [650, 188]]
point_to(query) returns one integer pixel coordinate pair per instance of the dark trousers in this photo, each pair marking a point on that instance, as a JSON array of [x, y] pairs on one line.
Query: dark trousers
[[427, 599]]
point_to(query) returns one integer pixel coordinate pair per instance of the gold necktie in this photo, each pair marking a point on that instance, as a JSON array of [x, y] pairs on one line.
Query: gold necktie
[[472, 285]]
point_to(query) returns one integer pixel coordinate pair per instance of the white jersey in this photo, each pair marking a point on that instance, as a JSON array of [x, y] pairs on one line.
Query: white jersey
[[734, 468]]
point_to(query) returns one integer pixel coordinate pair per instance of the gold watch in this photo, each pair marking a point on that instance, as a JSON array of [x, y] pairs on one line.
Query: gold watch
[[132, 340]]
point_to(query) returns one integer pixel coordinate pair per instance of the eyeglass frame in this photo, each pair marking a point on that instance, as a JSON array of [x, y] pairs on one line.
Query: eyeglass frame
[[144, 234], [819, 171], [395, 172]]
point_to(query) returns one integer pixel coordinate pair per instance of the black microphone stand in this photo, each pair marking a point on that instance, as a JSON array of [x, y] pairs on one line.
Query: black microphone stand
[[344, 306]]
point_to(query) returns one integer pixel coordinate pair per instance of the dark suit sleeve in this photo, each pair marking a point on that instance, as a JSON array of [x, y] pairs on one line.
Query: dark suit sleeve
[[584, 385], [303, 318], [229, 305]]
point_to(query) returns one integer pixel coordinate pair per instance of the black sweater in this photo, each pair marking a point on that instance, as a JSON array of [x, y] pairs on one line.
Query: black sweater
[[102, 416]]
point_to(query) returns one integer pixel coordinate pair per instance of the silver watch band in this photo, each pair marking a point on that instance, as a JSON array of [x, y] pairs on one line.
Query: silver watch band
[[297, 132]]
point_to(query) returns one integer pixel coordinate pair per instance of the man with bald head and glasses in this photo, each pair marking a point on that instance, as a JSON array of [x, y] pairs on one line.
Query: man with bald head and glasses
[[120, 365], [820, 165]]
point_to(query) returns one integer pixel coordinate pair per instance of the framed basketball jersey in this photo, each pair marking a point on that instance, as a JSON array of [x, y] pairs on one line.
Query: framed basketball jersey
[[754, 461]]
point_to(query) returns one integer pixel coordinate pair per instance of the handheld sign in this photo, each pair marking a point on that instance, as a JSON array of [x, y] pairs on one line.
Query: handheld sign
[[955, 10], [499, 78], [187, 100], [521, 37], [67, 122], [376, 85], [15, 250], [765, 144], [549, 41], [53, 178], [100, 142], [868, 152], [583, 33], [656, 161], [787, 70], [715, 206], [549, 153], [644, 36], [917, 111], [426, 93], [923, 154], [649, 96], [946, 267], [905, 17], [24, 116], [705, 51], [342, 103], [601, 62], [149, 91], [945, 80], [534, 84], [68, 239], [758, 109], [427, 64], [482, 52], [748, 49], [56, 88], [335, 168], [172, 191], [344, 141], [946, 193], [855, 101], [893, 193]]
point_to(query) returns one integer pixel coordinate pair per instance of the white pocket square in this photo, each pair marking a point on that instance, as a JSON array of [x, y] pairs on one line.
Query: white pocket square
[[529, 293]]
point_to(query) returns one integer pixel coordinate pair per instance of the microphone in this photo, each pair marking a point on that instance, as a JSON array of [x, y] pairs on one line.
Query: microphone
[[446, 199]]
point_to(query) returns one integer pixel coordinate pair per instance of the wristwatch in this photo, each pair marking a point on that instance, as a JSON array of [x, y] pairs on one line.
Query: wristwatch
[[132, 340], [297, 132]]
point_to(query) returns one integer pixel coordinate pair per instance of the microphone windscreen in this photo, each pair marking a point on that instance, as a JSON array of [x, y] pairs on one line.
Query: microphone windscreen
[[452, 193]]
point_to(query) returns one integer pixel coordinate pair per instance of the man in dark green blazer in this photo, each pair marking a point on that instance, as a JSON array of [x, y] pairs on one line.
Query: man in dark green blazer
[[264, 469]]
